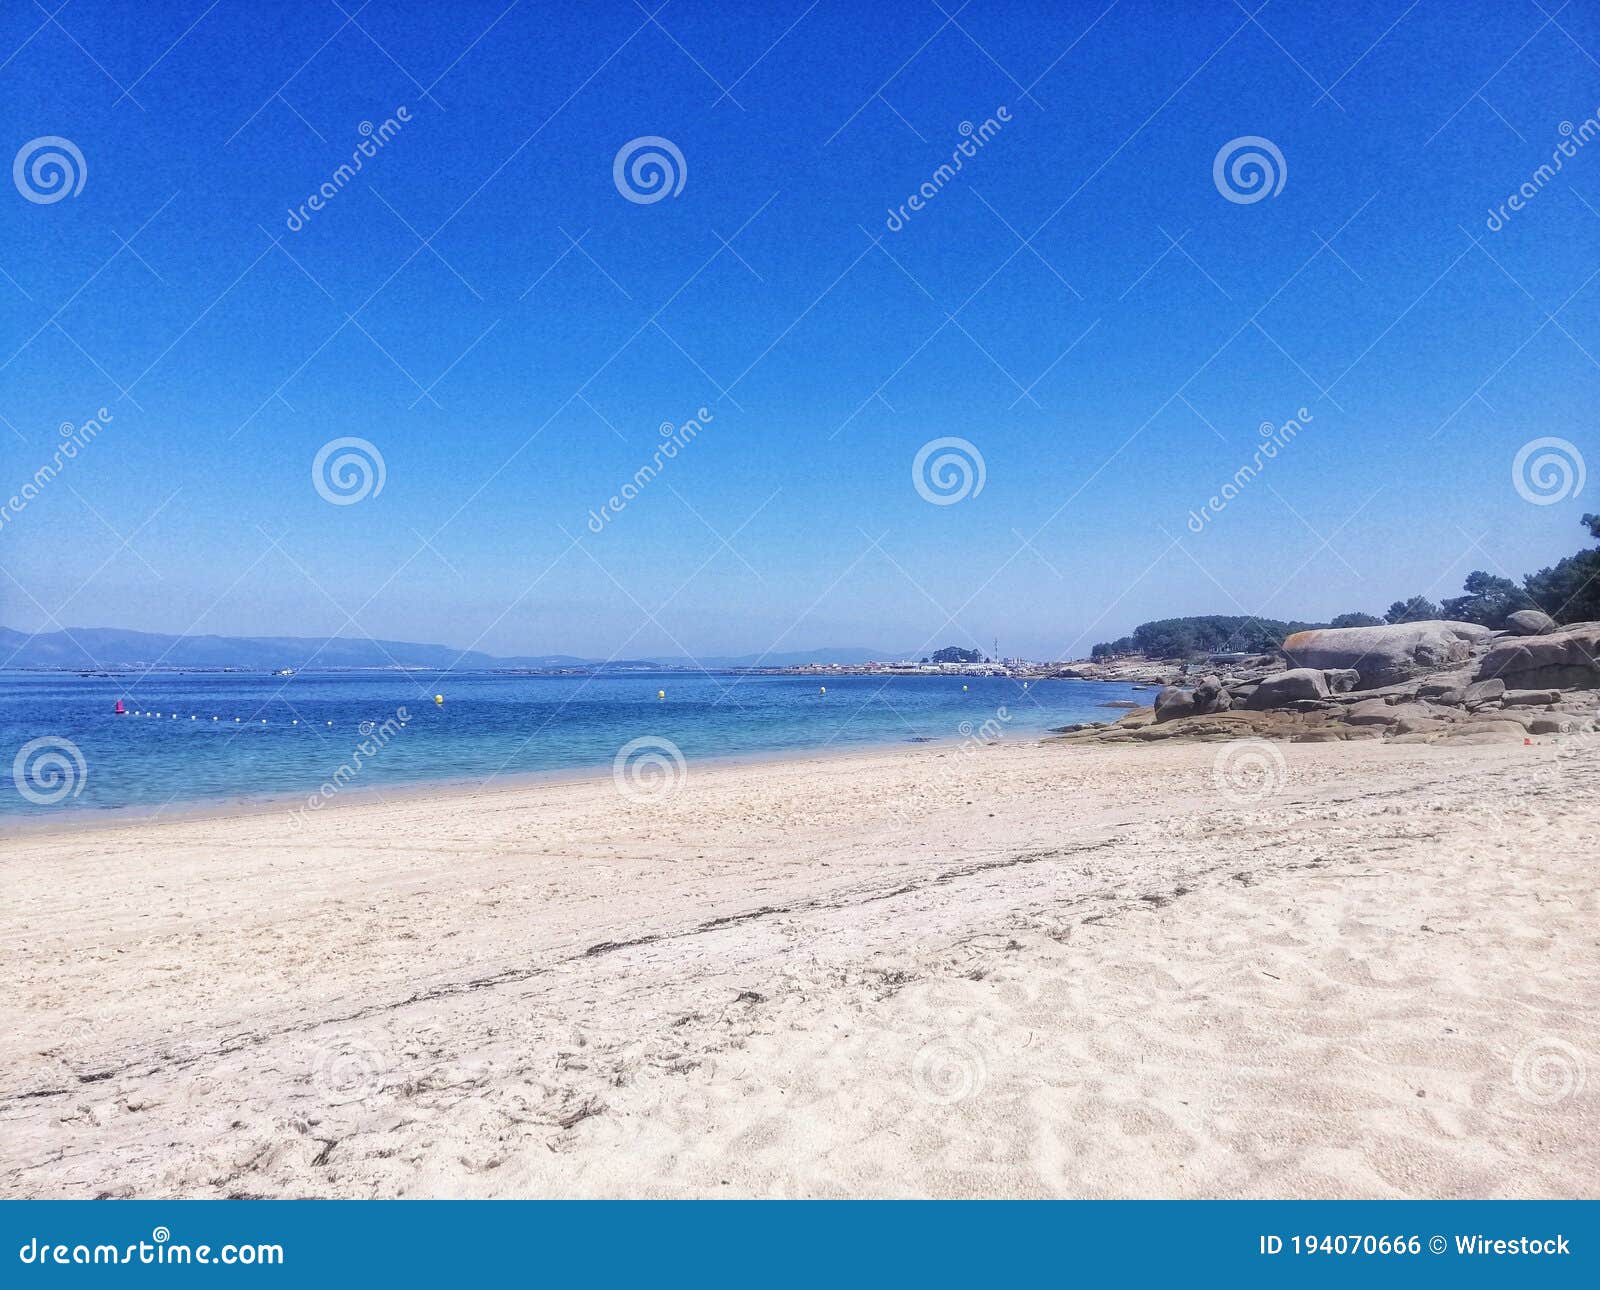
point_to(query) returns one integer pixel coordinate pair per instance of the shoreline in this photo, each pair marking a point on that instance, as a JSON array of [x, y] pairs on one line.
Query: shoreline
[[1041, 970], [214, 788], [74, 822]]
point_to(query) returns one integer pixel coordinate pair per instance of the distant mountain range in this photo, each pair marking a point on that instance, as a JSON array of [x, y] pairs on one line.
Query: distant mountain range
[[91, 648]]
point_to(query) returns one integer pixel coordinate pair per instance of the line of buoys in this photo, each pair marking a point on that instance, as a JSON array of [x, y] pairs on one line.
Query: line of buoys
[[122, 711]]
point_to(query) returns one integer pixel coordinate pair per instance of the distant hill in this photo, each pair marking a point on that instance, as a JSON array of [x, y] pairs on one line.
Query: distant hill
[[108, 647], [89, 648]]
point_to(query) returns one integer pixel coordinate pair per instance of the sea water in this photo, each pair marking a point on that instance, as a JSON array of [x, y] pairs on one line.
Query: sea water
[[227, 737]]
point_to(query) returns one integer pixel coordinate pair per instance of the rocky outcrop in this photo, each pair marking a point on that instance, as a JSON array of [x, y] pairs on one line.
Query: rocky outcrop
[[1371, 712], [1494, 687], [1393, 718], [1185, 673], [1283, 688], [1127, 671], [1208, 696], [1386, 655], [1173, 702], [1447, 687], [1530, 698], [1412, 683], [1567, 659], [1530, 622]]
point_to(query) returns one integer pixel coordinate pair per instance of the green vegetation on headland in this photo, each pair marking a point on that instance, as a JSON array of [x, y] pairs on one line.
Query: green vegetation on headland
[[1206, 634], [955, 654], [1569, 592]]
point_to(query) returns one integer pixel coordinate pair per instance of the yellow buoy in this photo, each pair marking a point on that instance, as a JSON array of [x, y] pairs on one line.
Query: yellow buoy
[[963, 689], [438, 698], [661, 694], [823, 689]]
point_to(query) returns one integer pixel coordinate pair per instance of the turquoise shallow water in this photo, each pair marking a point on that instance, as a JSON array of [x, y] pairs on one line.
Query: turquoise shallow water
[[66, 751]]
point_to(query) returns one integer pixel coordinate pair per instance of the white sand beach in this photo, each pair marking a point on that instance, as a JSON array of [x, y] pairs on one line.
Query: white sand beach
[[1037, 970]]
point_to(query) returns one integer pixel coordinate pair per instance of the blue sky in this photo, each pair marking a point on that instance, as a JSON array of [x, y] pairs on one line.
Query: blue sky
[[1081, 303]]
